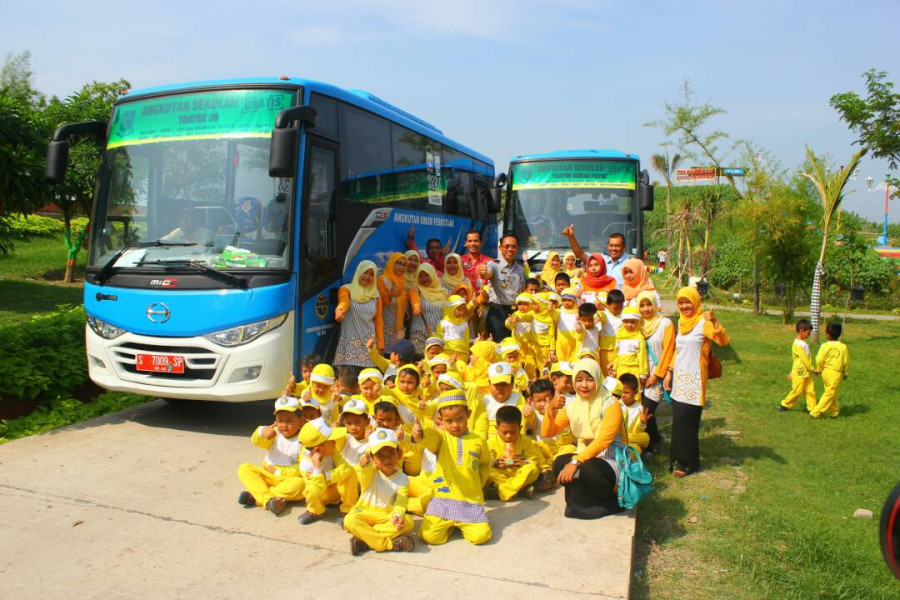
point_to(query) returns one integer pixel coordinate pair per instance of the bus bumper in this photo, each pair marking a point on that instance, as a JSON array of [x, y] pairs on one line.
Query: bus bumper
[[258, 370]]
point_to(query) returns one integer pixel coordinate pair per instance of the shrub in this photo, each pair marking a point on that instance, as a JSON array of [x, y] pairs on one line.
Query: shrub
[[26, 227], [731, 265], [44, 355]]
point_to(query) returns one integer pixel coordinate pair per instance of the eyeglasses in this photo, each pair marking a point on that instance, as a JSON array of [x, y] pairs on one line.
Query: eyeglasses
[[509, 246], [401, 263]]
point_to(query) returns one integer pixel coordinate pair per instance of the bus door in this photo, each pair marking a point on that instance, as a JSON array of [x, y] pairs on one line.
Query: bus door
[[320, 269]]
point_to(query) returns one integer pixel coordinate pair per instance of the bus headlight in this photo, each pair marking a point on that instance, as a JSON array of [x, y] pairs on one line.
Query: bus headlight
[[104, 329], [243, 334]]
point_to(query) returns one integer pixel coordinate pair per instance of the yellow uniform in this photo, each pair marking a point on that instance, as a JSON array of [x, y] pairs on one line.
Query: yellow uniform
[[383, 497], [421, 486], [478, 418], [609, 325], [465, 466], [833, 361], [637, 438], [283, 457], [801, 377], [567, 335], [550, 446], [332, 483], [491, 406], [629, 354], [511, 480], [300, 387], [521, 324]]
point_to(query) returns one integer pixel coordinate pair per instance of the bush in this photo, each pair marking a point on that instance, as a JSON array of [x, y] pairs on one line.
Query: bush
[[44, 355], [731, 265], [26, 227]]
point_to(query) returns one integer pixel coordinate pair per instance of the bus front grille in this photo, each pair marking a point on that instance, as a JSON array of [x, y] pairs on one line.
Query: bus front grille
[[200, 364]]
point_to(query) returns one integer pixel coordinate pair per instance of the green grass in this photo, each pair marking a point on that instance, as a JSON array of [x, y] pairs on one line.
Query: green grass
[[771, 514], [31, 279]]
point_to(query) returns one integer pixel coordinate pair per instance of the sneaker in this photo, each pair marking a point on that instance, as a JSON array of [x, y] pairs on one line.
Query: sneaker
[[340, 521], [404, 543], [246, 499], [357, 546], [307, 517], [782, 408], [546, 482], [276, 505], [527, 493], [491, 493], [679, 473]]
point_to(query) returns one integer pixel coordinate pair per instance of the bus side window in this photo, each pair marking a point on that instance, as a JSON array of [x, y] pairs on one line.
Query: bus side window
[[319, 262]]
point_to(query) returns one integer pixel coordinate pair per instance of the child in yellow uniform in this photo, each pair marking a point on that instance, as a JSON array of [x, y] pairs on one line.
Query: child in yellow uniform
[[521, 324], [801, 370], [634, 415], [355, 419], [278, 480], [370, 383], [511, 353], [542, 392], [544, 323], [453, 328], [515, 460], [587, 330], [378, 520], [502, 393], [328, 479], [609, 325], [833, 362], [306, 366], [629, 355], [465, 465], [567, 332], [321, 389]]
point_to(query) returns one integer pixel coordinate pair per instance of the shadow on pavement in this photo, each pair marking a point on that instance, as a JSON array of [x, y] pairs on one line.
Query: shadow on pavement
[[217, 418]]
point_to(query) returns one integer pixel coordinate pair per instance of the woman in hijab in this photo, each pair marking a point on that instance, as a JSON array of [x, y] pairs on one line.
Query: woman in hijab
[[394, 297], [454, 276], [359, 311], [635, 280], [687, 376], [551, 268], [659, 332], [431, 302], [595, 279], [595, 418]]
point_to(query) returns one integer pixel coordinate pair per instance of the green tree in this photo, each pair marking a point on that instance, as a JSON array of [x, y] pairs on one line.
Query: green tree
[[667, 166], [74, 197], [875, 118], [829, 187]]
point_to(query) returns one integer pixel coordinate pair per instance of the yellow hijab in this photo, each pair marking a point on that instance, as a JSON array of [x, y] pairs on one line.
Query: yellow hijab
[[573, 271], [450, 308], [454, 281], [434, 293], [649, 326], [685, 325], [411, 277], [548, 273], [360, 293], [485, 354]]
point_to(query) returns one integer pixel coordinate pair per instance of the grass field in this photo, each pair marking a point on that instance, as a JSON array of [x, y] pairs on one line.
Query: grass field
[[771, 515]]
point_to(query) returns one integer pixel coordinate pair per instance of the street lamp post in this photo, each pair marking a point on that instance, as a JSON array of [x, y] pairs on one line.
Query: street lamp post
[[883, 240]]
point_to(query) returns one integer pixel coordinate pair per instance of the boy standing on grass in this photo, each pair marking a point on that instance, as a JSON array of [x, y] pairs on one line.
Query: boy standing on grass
[[801, 370], [833, 362]]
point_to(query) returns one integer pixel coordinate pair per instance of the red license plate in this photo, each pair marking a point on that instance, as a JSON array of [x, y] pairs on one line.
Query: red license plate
[[160, 363]]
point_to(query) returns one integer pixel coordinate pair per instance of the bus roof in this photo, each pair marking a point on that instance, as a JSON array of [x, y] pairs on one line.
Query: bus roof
[[360, 98], [575, 154]]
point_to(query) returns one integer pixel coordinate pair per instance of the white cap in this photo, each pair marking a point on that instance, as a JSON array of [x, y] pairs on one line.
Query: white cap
[[382, 437], [287, 403], [355, 406], [500, 372]]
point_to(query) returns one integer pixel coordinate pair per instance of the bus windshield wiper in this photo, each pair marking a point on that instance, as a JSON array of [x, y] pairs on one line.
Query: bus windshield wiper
[[210, 272], [103, 275]]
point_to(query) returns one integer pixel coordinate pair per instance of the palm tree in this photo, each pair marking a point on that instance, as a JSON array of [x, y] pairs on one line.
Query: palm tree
[[666, 167], [830, 187]]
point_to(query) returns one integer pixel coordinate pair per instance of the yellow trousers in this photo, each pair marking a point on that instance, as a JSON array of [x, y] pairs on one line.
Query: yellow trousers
[[604, 362], [565, 348], [264, 486], [421, 490], [510, 482], [639, 440], [412, 459], [375, 528], [435, 531], [801, 386], [828, 403], [345, 493]]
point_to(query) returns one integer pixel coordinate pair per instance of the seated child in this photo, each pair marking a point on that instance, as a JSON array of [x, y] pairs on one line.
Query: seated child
[[328, 478], [433, 346], [516, 460], [400, 353], [355, 419], [634, 415], [378, 520], [802, 370], [542, 392], [388, 416], [458, 497], [610, 321], [629, 355], [511, 353], [502, 393], [321, 389], [833, 362], [346, 384], [278, 480], [306, 366], [370, 385]]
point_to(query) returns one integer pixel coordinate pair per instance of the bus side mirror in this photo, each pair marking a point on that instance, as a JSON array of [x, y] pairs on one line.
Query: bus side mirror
[[497, 194], [286, 140], [890, 531], [645, 191], [58, 149], [57, 162]]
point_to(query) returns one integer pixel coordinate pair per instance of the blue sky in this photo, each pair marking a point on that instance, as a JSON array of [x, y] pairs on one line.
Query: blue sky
[[504, 77]]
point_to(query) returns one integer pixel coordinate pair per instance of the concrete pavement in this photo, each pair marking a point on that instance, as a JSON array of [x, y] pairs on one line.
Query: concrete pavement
[[143, 504]]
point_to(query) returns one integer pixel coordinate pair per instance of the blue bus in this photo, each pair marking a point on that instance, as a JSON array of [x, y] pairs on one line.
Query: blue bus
[[228, 213], [599, 191]]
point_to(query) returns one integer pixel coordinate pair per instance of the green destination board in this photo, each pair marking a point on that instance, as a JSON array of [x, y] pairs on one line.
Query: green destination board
[[204, 115], [574, 174]]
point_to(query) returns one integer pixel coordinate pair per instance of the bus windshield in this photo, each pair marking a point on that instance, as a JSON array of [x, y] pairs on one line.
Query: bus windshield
[[597, 196], [185, 179]]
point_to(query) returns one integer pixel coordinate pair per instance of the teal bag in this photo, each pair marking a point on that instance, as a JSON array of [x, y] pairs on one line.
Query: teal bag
[[634, 480]]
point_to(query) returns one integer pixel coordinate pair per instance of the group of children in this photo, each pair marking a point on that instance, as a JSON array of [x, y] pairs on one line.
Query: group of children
[[832, 363]]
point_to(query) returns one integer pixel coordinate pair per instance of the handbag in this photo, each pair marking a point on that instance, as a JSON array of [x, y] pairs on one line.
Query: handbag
[[634, 480], [714, 371]]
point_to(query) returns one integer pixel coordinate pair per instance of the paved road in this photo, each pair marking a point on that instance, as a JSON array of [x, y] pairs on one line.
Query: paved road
[[142, 504]]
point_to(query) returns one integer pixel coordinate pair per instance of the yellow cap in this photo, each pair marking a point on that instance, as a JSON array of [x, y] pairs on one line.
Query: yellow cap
[[631, 313], [317, 432]]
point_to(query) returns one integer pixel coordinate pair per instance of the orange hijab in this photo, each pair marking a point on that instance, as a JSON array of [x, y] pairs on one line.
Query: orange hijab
[[636, 266], [398, 281]]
